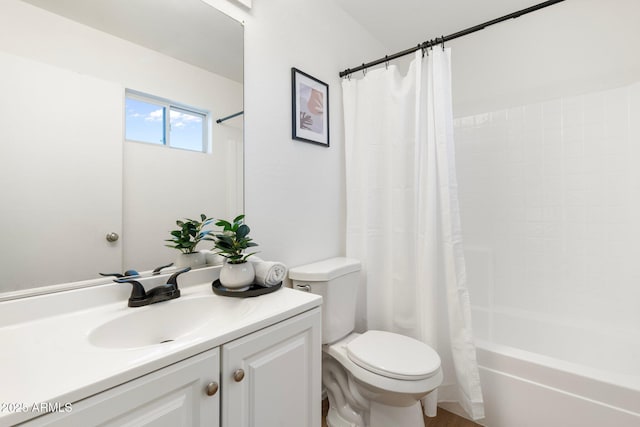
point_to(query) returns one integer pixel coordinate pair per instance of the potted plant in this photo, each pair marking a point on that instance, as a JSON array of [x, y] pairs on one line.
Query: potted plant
[[190, 232], [231, 243]]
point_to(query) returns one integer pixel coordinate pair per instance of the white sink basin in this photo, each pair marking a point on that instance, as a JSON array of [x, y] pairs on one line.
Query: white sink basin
[[168, 321]]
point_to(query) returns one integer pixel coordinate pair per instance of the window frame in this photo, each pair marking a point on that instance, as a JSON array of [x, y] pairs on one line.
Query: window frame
[[168, 106]]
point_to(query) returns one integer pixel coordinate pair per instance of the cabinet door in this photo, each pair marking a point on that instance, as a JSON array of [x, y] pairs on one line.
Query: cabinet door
[[175, 396], [271, 378]]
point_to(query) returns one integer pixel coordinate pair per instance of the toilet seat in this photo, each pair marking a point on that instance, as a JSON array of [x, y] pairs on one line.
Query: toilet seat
[[393, 356], [338, 351]]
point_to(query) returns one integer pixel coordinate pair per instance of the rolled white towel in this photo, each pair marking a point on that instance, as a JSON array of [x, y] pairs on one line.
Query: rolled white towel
[[268, 273]]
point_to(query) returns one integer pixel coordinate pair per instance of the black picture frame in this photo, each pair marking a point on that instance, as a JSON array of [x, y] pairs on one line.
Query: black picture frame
[[309, 108]]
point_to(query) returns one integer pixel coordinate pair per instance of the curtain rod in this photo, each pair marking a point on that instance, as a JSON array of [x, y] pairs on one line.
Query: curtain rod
[[229, 117], [443, 39]]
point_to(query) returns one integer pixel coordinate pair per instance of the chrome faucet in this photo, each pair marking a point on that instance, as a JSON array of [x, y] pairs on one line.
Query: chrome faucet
[[139, 297]]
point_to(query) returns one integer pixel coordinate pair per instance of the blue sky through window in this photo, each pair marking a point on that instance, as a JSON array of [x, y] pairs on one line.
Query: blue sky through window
[[145, 122], [186, 130]]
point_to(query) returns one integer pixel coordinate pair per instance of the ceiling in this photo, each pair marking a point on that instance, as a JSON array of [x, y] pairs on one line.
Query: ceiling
[[179, 27], [402, 24], [189, 30]]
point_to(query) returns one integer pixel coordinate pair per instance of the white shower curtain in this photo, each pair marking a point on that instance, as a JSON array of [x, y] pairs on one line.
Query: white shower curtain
[[402, 215]]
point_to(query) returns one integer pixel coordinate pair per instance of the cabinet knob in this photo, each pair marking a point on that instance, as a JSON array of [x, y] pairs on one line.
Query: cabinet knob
[[238, 375], [212, 388], [112, 237]]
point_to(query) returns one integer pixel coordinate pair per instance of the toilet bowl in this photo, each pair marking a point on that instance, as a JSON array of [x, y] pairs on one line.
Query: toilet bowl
[[378, 376], [372, 379]]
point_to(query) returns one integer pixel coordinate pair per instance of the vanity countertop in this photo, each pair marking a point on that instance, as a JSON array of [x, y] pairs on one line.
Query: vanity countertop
[[50, 359]]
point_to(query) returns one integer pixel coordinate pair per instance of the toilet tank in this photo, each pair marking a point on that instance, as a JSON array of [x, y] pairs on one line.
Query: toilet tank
[[336, 280]]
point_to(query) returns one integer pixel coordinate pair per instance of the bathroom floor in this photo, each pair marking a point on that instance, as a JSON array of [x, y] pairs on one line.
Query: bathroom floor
[[444, 419]]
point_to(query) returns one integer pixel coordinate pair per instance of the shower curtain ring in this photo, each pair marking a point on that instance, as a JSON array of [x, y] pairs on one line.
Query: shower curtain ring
[[386, 62], [442, 43], [364, 70]]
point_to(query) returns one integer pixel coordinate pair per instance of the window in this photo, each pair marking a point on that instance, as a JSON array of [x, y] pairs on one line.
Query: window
[[158, 121]]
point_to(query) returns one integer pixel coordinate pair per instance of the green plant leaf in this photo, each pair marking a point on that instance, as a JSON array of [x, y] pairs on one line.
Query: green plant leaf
[[242, 231], [223, 223], [190, 233], [233, 240], [248, 255]]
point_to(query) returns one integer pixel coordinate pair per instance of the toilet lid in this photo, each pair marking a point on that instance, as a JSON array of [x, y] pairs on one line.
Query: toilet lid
[[393, 355]]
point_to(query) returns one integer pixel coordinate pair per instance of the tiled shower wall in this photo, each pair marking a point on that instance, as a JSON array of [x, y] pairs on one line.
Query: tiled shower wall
[[550, 203]]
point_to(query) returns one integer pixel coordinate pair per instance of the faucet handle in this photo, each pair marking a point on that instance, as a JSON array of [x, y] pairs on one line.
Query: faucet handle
[[173, 280], [111, 274], [128, 273], [157, 270], [137, 290]]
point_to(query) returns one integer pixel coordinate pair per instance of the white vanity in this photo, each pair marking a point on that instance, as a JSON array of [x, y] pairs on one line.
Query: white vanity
[[83, 358]]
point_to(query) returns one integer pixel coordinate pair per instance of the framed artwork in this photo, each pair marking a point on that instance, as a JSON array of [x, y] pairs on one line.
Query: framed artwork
[[309, 108]]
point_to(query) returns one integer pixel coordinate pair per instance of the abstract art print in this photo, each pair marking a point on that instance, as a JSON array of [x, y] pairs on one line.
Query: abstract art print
[[310, 108]]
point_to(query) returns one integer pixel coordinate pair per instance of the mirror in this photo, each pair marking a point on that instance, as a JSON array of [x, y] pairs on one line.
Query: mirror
[[68, 177]]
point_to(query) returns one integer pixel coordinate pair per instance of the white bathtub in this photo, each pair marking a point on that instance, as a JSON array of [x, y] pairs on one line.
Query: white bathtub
[[599, 385]]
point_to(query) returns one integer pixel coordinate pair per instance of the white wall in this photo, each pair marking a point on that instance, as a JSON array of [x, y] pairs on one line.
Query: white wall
[[547, 149], [546, 141], [550, 198], [294, 191], [574, 47]]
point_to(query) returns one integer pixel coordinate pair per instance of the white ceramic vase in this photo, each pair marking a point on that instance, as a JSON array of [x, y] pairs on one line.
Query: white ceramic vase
[[237, 276], [195, 259]]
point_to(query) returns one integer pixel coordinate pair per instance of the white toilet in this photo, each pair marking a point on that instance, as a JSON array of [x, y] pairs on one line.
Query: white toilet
[[374, 379]]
